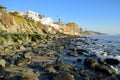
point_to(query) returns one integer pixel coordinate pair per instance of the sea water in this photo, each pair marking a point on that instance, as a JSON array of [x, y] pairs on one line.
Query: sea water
[[110, 43], [106, 46], [103, 46]]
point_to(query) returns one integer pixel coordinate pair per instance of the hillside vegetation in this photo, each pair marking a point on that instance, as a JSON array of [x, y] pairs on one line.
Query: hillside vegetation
[[13, 23]]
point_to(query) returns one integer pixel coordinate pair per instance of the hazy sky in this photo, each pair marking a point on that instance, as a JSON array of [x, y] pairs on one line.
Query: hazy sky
[[97, 15]]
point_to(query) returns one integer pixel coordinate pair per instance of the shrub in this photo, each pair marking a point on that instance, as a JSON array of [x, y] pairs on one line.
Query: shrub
[[6, 39]]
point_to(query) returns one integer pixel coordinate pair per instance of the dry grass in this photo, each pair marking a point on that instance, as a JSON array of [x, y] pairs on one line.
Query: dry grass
[[6, 19]]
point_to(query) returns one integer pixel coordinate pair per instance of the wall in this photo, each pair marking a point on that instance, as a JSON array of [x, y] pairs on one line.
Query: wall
[[70, 28]]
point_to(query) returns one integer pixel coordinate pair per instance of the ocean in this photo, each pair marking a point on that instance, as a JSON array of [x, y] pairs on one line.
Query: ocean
[[109, 42], [106, 46], [100, 46]]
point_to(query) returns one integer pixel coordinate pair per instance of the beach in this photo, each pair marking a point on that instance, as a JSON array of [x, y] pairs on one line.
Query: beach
[[64, 58]]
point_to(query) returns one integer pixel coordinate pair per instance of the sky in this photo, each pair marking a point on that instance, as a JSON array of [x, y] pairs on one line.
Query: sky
[[96, 15]]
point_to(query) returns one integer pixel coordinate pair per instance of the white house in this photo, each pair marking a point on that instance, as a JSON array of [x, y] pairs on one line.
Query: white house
[[31, 14], [35, 16], [48, 21]]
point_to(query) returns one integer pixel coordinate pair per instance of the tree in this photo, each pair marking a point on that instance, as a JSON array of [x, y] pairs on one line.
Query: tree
[[16, 13], [2, 7]]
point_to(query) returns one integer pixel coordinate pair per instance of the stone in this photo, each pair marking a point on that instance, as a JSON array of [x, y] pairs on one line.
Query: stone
[[112, 61], [86, 78], [26, 78], [90, 62], [71, 54], [28, 55], [23, 62], [64, 76], [3, 62], [82, 51], [2, 72], [61, 66], [105, 69], [30, 75], [79, 60], [101, 61], [51, 52], [50, 68], [20, 47], [83, 73]]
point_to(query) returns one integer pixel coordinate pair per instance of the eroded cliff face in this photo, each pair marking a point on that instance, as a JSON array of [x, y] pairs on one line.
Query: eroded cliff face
[[13, 23]]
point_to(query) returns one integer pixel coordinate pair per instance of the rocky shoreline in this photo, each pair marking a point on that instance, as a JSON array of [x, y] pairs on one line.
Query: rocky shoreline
[[55, 59]]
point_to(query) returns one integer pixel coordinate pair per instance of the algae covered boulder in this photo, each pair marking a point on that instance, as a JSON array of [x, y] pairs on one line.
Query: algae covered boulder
[[90, 62], [64, 76]]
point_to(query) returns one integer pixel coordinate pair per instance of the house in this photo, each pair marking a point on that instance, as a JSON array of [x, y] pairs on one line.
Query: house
[[33, 15], [49, 21]]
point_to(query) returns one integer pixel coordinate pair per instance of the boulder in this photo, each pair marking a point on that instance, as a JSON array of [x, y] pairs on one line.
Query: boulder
[[112, 61], [61, 66], [28, 55], [30, 75], [82, 51], [64, 76], [90, 62], [3, 62], [79, 60], [23, 62], [2, 72], [83, 73], [105, 69], [86, 78], [101, 61], [50, 68]]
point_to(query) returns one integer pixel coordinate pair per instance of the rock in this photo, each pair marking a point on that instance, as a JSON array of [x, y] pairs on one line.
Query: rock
[[2, 72], [61, 66], [51, 52], [82, 51], [101, 61], [50, 68], [17, 77], [45, 77], [71, 54], [83, 73], [23, 62], [35, 50], [3, 62], [64, 76], [28, 55], [30, 75], [96, 39], [90, 62], [118, 76], [105, 69], [79, 60], [26, 78], [86, 78], [21, 47], [113, 78], [112, 61]]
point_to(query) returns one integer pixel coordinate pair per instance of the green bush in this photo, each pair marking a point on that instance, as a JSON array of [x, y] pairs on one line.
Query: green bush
[[7, 38]]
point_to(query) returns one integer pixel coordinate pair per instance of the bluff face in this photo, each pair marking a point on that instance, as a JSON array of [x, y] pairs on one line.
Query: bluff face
[[13, 23]]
